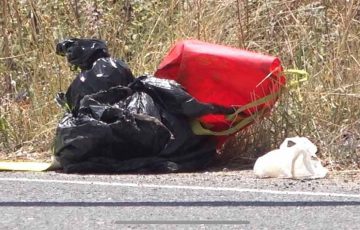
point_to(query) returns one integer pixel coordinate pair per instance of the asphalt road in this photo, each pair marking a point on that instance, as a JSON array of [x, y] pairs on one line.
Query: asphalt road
[[210, 200]]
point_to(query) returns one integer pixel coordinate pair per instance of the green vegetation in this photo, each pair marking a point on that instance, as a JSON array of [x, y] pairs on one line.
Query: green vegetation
[[321, 37]]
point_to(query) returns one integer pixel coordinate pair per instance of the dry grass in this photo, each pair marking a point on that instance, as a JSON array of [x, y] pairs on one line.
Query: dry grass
[[321, 37]]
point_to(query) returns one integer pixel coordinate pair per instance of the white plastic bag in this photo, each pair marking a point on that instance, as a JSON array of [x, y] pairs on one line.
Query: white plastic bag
[[296, 158]]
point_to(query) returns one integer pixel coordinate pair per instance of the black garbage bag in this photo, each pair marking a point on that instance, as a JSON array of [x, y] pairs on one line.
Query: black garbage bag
[[98, 70], [103, 132], [121, 124]]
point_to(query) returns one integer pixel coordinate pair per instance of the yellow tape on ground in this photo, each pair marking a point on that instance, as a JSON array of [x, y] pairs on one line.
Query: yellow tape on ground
[[25, 166]]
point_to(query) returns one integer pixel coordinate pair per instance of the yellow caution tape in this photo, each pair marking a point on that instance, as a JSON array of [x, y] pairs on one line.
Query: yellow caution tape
[[25, 166], [30, 166], [300, 76], [198, 129]]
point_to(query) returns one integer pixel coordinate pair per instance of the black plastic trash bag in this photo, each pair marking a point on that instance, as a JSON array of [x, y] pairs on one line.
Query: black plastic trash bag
[[117, 123], [98, 70]]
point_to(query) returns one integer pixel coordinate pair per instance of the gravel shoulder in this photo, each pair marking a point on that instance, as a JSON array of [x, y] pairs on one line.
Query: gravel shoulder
[[205, 200]]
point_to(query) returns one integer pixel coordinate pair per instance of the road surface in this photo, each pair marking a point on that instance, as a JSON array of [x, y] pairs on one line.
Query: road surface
[[207, 200]]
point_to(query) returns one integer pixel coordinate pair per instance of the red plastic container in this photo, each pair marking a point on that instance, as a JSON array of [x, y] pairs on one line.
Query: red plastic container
[[222, 75]]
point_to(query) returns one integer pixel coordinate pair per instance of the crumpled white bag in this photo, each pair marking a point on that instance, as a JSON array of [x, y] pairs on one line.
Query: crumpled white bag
[[296, 158]]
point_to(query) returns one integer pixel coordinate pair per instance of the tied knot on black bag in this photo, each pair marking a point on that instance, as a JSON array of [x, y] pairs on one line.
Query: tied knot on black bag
[[82, 53]]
